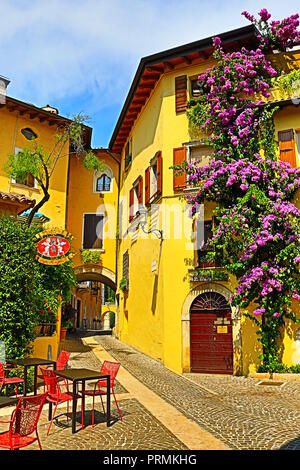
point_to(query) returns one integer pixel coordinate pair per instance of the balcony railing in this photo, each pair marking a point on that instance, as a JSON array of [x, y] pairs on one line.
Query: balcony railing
[[207, 274]]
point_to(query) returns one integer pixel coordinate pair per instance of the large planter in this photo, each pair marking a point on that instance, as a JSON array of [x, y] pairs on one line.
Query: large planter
[[63, 332]]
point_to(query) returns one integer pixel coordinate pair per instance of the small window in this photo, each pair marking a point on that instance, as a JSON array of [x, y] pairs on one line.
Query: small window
[[103, 184], [196, 88], [135, 198], [128, 153], [29, 134], [125, 272], [203, 243], [93, 225], [29, 180], [200, 154]]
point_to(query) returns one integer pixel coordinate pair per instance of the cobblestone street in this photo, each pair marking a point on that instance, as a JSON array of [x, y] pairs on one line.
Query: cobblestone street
[[220, 411], [236, 410]]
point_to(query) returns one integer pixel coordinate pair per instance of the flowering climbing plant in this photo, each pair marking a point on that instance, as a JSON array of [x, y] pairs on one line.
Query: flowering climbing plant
[[258, 228]]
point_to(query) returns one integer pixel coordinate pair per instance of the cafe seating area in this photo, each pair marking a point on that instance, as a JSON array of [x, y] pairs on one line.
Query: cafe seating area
[[60, 384]]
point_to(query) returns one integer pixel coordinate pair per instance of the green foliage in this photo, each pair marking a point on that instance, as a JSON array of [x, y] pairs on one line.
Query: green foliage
[[27, 161], [27, 288], [112, 319], [211, 274], [91, 162], [197, 113], [90, 256], [18, 282], [123, 284], [288, 82]]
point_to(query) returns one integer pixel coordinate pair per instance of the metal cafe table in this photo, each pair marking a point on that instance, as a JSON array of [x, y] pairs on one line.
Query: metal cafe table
[[82, 375], [31, 362]]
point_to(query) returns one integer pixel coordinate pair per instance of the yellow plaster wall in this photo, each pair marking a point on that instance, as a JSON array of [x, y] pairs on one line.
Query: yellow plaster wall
[[82, 199]]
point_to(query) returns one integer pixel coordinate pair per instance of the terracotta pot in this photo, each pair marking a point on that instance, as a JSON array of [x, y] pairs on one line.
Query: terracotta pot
[[63, 332]]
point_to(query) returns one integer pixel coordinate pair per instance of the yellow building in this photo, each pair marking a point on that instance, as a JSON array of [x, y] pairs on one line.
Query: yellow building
[[25, 125], [92, 220], [161, 297]]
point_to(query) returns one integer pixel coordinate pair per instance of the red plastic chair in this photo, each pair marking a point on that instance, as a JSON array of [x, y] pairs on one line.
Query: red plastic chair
[[5, 381], [62, 360], [55, 394], [60, 363], [100, 387], [23, 423]]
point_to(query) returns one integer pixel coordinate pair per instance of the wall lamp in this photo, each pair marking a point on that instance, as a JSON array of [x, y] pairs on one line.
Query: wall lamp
[[143, 214]]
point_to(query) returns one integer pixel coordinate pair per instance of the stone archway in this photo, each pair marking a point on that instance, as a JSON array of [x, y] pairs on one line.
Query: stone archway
[[94, 272], [236, 325], [89, 316]]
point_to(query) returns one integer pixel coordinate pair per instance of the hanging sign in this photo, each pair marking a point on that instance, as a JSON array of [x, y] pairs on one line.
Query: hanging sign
[[53, 247]]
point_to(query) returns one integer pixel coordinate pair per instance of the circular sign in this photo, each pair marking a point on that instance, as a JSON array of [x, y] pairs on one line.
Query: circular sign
[[53, 246]]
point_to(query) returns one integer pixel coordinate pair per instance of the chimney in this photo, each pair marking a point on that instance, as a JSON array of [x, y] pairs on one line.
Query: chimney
[[50, 109], [4, 82]]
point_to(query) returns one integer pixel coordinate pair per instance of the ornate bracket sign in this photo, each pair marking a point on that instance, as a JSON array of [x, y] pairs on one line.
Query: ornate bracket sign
[[53, 247]]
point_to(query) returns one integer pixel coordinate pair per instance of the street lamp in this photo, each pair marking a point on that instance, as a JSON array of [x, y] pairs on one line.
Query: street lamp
[[143, 214]]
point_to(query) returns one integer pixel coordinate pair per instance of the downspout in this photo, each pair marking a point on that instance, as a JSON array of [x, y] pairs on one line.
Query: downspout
[[14, 146]]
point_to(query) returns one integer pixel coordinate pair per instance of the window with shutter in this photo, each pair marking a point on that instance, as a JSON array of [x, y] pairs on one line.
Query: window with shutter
[[135, 198], [180, 93], [203, 238], [131, 207], [128, 154], [287, 146], [159, 173], [179, 178], [140, 192], [147, 186], [153, 179], [93, 232], [126, 267]]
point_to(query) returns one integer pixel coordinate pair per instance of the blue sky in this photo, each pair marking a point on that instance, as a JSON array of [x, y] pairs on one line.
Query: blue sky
[[81, 55]]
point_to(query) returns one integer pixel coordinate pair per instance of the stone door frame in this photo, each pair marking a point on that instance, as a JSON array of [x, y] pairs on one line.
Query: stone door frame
[[186, 323]]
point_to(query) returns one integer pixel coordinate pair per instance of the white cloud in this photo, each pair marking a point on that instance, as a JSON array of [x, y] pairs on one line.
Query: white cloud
[[69, 48]]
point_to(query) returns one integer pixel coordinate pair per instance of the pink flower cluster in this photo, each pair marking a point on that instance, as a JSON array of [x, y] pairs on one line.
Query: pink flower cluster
[[276, 34]]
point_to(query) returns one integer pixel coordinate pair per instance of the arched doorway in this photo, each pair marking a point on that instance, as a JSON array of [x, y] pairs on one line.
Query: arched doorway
[[211, 340]]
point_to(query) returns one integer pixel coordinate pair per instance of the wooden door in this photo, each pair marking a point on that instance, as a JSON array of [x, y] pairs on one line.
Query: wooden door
[[211, 340]]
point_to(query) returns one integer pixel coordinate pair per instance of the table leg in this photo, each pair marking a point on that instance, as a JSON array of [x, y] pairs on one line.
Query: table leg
[[50, 411], [83, 403], [108, 402], [74, 406], [35, 381], [25, 381]]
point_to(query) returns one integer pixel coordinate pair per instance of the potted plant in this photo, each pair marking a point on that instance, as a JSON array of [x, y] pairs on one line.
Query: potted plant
[[65, 326], [90, 256]]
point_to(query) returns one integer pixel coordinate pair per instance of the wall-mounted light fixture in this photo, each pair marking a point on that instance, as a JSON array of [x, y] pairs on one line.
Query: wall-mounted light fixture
[[143, 213]]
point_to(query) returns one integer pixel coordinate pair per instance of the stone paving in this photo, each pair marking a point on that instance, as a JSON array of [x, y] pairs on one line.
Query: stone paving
[[138, 430], [238, 411]]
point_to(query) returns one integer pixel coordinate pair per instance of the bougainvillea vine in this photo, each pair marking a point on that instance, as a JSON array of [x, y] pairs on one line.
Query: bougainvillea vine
[[258, 227]]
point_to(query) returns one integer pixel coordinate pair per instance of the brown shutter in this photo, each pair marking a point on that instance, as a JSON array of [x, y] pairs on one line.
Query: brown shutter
[[93, 232], [179, 180], [180, 93], [159, 173], [287, 147], [140, 197], [131, 205], [147, 186]]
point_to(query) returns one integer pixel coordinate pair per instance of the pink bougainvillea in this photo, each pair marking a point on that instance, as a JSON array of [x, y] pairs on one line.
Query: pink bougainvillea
[[258, 229]]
